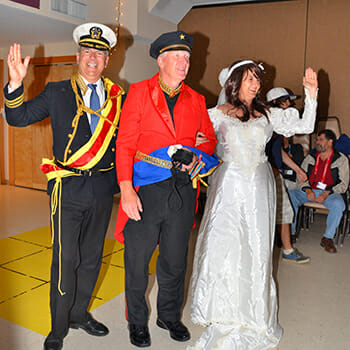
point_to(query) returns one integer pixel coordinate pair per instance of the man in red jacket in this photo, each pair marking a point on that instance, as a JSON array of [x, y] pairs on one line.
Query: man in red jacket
[[159, 112]]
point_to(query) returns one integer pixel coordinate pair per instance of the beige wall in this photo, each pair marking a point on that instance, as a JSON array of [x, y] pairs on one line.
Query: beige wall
[[287, 36], [328, 49], [272, 33], [130, 61]]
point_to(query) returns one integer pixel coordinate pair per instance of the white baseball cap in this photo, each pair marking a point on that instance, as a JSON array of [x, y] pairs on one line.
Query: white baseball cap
[[278, 92]]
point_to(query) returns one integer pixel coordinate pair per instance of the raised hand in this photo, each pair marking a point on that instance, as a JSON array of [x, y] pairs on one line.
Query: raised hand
[[17, 68], [310, 82]]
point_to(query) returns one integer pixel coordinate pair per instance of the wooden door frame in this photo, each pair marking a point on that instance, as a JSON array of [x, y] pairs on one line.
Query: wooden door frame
[[36, 61], [2, 143]]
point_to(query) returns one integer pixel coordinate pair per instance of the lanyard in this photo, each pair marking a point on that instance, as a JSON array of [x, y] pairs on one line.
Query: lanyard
[[328, 162]]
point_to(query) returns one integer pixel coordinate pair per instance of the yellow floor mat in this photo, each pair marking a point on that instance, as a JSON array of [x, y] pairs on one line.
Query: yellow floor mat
[[14, 285], [25, 261], [40, 236], [30, 310], [110, 282], [36, 265], [12, 249]]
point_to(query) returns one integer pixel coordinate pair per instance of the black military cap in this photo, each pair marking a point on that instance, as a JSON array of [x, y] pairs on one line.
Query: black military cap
[[178, 40]]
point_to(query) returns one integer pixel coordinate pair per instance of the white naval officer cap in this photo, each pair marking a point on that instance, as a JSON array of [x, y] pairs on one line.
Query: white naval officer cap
[[95, 35]]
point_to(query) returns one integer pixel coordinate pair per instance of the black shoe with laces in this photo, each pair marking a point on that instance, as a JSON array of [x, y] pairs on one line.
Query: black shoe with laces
[[91, 326], [176, 329], [53, 344], [139, 335]]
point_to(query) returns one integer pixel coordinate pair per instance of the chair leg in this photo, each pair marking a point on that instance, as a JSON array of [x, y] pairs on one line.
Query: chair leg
[[341, 229], [311, 220], [337, 234], [309, 217], [300, 220], [305, 218], [342, 239], [344, 227]]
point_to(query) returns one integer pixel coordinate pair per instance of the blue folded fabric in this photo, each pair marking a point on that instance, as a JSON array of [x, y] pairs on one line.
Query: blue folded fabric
[[343, 144], [145, 173]]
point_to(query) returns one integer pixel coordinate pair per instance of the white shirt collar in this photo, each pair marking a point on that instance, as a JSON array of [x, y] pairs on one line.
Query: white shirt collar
[[100, 87]]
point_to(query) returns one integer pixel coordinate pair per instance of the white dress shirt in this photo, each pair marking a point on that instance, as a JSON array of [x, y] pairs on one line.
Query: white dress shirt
[[100, 89]]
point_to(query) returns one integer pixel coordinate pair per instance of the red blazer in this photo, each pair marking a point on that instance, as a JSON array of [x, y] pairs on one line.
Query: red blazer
[[146, 125]]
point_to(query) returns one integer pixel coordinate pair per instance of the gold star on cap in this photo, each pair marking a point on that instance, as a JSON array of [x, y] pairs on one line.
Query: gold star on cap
[[177, 40]]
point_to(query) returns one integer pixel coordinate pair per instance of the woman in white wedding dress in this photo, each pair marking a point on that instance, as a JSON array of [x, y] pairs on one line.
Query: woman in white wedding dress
[[233, 291]]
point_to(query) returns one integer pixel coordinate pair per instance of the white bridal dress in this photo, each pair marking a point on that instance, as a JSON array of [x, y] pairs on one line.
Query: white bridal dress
[[233, 292]]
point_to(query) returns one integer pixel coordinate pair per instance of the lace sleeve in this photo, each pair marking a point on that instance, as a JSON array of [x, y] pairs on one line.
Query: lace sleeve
[[287, 121], [213, 115]]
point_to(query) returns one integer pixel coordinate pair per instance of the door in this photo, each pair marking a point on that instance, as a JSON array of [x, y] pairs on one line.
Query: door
[[32, 143], [2, 155]]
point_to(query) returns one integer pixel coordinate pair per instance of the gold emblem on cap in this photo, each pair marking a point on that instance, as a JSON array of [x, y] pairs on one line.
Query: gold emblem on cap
[[95, 32], [182, 37]]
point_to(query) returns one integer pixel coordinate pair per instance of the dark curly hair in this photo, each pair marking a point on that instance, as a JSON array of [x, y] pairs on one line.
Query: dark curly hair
[[278, 101], [233, 84], [329, 135]]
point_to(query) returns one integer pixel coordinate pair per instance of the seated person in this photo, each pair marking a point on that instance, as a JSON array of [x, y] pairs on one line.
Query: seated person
[[328, 174], [278, 159], [296, 153], [279, 97]]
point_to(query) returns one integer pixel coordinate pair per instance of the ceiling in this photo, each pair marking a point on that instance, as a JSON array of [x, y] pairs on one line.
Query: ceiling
[[17, 25], [31, 28], [175, 10]]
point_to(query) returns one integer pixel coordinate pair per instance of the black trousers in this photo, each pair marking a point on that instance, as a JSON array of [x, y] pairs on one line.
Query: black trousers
[[77, 251], [167, 218]]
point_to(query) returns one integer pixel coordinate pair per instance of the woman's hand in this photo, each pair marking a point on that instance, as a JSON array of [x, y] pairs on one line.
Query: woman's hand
[[310, 82], [17, 68], [200, 138], [231, 110]]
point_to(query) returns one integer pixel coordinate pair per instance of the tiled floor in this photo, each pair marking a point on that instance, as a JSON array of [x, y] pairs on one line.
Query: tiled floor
[[314, 298]]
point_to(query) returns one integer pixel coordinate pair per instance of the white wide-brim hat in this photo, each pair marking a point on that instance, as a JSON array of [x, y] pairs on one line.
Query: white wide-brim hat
[[95, 35], [278, 92]]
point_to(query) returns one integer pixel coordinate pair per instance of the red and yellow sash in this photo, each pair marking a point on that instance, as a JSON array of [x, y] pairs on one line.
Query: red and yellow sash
[[92, 152]]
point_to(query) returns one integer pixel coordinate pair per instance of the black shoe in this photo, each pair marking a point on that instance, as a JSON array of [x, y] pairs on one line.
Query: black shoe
[[91, 327], [139, 335], [176, 329], [53, 344]]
